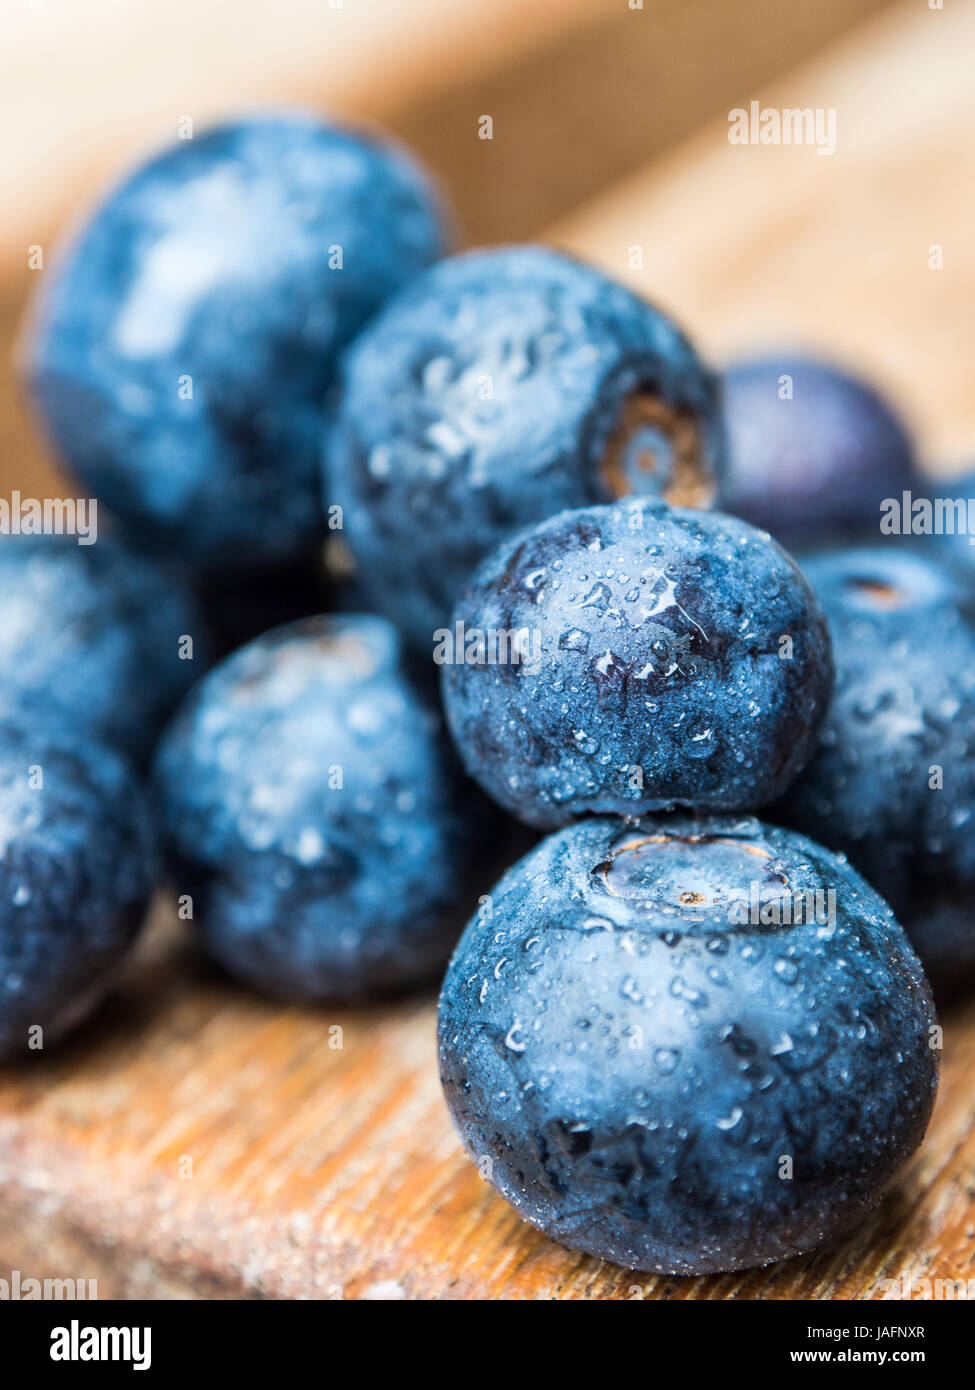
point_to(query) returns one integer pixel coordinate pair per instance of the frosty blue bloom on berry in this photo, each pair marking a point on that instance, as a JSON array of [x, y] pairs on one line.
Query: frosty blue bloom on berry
[[314, 812], [683, 662], [501, 387], [77, 870], [96, 639], [647, 1078], [892, 783], [181, 349]]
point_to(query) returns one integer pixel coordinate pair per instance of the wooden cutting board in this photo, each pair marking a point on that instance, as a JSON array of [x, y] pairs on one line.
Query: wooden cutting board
[[197, 1141]]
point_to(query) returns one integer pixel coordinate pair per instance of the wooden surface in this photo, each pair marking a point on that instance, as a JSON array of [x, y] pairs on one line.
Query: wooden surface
[[579, 90], [759, 244], [197, 1141]]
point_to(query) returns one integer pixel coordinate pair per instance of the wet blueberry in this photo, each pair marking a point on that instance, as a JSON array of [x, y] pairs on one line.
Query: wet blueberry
[[500, 388], [812, 450], [76, 874], [97, 638], [658, 1055], [315, 815], [665, 657], [180, 351], [893, 781]]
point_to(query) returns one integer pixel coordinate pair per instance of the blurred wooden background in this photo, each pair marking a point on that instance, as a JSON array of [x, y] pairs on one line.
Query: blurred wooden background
[[582, 92], [197, 1141]]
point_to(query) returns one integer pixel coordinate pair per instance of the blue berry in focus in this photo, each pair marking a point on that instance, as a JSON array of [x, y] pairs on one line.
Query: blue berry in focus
[[76, 875], [315, 814], [812, 450], [892, 783], [181, 349], [95, 639], [665, 657], [652, 1070], [502, 387]]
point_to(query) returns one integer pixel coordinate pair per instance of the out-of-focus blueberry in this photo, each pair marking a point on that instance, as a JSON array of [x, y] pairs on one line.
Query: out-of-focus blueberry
[[687, 1045], [812, 450], [315, 814], [892, 784], [181, 349], [77, 870], [652, 657], [502, 387], [95, 639]]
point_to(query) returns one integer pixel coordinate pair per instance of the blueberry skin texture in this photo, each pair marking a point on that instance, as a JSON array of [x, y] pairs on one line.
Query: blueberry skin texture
[[77, 870], [903, 627], [302, 887], [658, 681], [636, 1065], [486, 397], [90, 636], [821, 462], [216, 261]]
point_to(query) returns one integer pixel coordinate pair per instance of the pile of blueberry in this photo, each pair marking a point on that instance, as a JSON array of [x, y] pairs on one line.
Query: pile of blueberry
[[673, 1034]]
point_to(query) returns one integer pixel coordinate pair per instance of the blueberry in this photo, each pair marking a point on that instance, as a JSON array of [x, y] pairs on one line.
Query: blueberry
[[315, 815], [811, 449], [96, 637], [666, 658], [893, 781], [76, 874], [660, 1053], [500, 388], [181, 350]]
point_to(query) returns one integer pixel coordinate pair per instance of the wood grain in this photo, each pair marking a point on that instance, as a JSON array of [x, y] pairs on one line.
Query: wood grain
[[197, 1141], [580, 90], [578, 114], [86, 83]]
